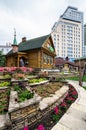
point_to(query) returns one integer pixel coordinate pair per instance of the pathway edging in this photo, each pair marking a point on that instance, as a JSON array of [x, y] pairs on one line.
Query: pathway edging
[[75, 117]]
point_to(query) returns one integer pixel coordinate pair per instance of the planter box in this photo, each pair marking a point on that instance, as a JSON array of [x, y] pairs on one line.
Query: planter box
[[32, 76], [4, 101], [5, 79], [38, 83], [23, 82]]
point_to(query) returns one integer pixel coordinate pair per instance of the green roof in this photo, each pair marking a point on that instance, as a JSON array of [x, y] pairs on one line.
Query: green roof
[[31, 44], [14, 41]]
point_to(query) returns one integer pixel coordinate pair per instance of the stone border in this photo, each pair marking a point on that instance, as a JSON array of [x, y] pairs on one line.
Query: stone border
[[75, 117], [56, 98], [39, 83]]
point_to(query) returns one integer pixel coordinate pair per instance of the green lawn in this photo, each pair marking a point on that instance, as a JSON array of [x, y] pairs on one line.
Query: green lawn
[[77, 78]]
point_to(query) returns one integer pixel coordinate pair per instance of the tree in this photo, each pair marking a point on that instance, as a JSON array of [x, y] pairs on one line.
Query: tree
[[2, 59], [67, 58]]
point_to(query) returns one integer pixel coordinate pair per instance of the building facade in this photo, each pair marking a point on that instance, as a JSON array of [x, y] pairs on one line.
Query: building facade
[[85, 39], [67, 34], [36, 53], [5, 48]]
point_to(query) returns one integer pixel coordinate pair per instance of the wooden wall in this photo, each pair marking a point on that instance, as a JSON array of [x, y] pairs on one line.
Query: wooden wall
[[34, 58], [37, 58], [10, 61]]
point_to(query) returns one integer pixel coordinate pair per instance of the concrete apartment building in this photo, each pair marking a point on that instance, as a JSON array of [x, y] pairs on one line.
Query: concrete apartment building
[[68, 34], [85, 39], [5, 48]]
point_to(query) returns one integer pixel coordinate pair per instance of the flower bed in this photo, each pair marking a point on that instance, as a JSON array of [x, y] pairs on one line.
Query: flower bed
[[36, 80], [4, 99], [6, 77], [47, 89], [23, 94], [4, 84], [48, 121]]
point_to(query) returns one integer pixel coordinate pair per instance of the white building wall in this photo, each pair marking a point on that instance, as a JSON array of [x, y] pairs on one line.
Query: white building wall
[[67, 38], [5, 49]]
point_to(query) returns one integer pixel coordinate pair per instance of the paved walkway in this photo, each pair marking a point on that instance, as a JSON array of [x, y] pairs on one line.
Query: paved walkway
[[75, 117]]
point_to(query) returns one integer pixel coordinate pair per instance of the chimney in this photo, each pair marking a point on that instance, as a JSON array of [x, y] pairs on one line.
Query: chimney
[[24, 39]]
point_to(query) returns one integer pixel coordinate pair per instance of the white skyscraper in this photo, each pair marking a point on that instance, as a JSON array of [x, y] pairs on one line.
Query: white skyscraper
[[68, 34]]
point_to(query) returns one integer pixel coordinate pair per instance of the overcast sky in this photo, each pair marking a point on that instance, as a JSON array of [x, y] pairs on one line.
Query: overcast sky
[[32, 18]]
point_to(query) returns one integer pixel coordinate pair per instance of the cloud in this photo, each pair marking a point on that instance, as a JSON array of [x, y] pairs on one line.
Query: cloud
[[31, 18]]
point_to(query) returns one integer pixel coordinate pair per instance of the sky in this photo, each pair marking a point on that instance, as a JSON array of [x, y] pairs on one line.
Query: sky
[[32, 18]]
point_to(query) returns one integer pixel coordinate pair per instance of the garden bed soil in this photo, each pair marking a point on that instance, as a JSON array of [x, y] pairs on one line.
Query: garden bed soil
[[47, 89], [53, 116]]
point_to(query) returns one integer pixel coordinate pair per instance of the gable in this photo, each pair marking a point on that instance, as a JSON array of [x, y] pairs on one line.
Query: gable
[[48, 45]]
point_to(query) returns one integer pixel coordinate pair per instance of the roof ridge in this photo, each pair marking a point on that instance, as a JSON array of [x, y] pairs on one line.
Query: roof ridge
[[35, 38]]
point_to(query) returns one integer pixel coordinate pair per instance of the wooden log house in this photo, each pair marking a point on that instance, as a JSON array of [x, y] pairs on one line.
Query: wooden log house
[[36, 53]]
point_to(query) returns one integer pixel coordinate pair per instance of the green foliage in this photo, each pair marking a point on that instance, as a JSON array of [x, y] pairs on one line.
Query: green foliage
[[84, 87], [73, 78], [25, 95], [7, 76], [56, 118], [17, 88], [8, 92], [60, 79], [77, 78], [3, 84], [84, 78], [37, 80], [2, 59]]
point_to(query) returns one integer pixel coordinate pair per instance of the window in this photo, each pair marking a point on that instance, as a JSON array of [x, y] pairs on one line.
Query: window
[[47, 59]]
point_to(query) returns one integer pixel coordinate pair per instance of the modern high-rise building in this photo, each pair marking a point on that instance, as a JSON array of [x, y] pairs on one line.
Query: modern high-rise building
[[68, 35], [85, 39]]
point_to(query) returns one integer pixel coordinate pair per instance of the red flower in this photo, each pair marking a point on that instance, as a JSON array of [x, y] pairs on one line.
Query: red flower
[[63, 104], [74, 93], [2, 69], [70, 98], [26, 128], [56, 110], [40, 127]]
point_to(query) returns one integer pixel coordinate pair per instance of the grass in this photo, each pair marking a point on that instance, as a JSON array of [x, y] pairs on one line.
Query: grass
[[77, 78], [84, 87], [73, 78]]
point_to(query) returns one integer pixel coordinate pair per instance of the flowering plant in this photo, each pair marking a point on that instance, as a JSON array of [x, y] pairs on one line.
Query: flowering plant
[[70, 100], [56, 114], [1, 69], [56, 110], [63, 106], [26, 128], [18, 76], [40, 127]]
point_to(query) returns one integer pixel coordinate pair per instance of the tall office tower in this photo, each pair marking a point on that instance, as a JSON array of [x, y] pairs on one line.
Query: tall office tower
[[85, 39], [67, 34]]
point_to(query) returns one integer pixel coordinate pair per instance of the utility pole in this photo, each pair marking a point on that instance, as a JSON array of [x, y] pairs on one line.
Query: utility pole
[[80, 76], [81, 72]]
